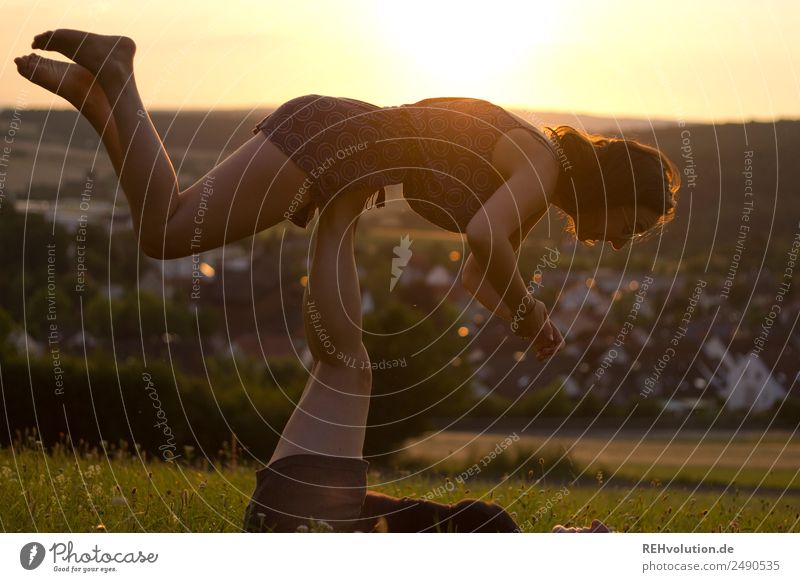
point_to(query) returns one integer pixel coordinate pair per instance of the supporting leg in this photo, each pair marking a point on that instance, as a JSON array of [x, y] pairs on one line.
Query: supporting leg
[[316, 470], [331, 416]]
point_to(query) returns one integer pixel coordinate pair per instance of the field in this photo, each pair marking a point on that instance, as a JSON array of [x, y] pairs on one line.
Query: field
[[117, 491], [764, 460]]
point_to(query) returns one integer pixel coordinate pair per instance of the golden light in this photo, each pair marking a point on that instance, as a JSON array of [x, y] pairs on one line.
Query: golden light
[[304, 280], [468, 45], [537, 278], [463, 331], [617, 295], [633, 285], [207, 270], [519, 356], [590, 282], [454, 256]]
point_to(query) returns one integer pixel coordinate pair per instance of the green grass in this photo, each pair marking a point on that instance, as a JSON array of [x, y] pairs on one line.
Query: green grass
[[778, 479], [116, 491]]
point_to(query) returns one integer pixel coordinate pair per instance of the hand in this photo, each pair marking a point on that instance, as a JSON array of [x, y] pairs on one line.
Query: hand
[[536, 325], [555, 346], [534, 316]]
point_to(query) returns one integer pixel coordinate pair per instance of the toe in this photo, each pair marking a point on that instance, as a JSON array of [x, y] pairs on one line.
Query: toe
[[22, 64], [40, 40]]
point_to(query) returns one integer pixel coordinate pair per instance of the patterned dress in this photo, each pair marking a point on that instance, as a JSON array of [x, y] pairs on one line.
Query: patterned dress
[[440, 150]]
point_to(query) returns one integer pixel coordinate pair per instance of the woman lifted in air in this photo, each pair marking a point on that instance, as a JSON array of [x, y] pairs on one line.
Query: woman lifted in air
[[466, 165]]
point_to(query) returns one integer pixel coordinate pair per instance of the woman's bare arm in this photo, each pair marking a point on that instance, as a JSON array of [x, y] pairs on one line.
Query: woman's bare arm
[[490, 230], [474, 279]]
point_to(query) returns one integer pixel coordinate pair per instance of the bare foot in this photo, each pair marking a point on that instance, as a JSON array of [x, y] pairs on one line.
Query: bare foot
[[68, 80], [104, 56], [596, 527]]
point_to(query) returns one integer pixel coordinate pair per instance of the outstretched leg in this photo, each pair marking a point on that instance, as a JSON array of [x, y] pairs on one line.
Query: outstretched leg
[[248, 192], [81, 90]]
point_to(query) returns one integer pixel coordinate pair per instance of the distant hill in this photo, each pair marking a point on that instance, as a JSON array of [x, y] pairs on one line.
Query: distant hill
[[711, 206], [593, 123], [216, 129]]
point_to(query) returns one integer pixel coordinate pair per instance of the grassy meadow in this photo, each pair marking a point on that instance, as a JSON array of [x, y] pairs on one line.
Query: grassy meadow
[[84, 489]]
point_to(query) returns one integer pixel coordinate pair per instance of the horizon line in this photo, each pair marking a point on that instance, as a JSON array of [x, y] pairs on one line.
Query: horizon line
[[626, 117]]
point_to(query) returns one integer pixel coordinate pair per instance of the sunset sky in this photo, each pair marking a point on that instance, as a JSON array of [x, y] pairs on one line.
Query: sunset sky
[[709, 61]]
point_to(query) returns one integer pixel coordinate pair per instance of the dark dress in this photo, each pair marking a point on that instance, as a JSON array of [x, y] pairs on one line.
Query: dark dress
[[440, 150]]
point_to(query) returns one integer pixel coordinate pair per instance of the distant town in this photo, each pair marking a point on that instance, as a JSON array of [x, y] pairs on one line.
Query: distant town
[[702, 321]]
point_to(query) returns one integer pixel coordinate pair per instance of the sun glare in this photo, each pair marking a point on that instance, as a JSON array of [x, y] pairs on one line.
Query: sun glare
[[469, 44]]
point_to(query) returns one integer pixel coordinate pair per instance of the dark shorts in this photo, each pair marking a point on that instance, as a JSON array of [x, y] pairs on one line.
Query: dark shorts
[[341, 144], [301, 489]]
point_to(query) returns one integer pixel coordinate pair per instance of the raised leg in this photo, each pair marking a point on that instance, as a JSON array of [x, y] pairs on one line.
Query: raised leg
[[247, 192], [331, 416], [81, 90]]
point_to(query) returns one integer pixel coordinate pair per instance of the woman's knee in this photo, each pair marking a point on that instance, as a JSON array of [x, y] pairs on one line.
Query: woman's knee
[[345, 377], [334, 341], [356, 359]]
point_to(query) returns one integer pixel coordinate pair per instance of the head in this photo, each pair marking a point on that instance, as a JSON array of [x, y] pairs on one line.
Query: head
[[613, 189]]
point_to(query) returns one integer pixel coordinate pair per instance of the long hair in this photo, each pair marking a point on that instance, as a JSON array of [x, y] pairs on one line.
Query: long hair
[[599, 172]]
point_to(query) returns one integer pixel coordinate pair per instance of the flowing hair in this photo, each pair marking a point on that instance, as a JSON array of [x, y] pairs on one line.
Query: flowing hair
[[599, 172]]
